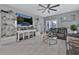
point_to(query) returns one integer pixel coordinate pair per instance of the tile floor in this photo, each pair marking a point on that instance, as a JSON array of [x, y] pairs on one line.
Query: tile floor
[[33, 46]]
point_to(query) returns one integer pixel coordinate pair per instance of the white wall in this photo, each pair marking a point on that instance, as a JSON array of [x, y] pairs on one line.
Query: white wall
[[13, 38], [67, 15], [8, 7], [41, 24], [0, 25]]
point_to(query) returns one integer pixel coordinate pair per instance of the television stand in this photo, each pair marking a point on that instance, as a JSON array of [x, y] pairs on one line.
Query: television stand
[[25, 33]]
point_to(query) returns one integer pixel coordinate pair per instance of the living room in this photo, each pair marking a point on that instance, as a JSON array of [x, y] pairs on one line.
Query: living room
[[31, 28]]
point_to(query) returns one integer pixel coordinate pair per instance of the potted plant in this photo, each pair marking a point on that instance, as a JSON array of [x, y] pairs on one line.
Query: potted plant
[[74, 28]]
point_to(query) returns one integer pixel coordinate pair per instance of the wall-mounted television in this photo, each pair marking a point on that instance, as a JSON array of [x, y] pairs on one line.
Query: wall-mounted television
[[24, 20]]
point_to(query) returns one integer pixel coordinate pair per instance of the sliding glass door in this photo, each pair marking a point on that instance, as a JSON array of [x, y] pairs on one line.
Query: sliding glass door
[[51, 24]]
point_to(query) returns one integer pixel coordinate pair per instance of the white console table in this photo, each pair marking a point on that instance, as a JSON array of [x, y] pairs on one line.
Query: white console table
[[23, 33]]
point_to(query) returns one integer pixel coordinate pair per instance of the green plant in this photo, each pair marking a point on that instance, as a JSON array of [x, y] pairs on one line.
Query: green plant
[[73, 27]]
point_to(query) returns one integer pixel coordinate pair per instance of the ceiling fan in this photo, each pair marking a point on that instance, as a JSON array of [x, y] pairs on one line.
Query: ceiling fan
[[48, 8]]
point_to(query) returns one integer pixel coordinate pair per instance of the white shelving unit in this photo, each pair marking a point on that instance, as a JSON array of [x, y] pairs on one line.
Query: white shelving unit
[[7, 27], [7, 24]]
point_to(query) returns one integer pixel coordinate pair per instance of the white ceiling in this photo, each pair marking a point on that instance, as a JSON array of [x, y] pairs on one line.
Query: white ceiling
[[32, 8]]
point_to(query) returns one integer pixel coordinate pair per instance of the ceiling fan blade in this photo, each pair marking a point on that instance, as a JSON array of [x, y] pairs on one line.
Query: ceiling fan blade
[[53, 9], [42, 6], [55, 6], [48, 6], [43, 10], [48, 11]]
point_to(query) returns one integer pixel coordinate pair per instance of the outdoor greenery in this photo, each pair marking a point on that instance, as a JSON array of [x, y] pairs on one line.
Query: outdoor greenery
[[73, 27]]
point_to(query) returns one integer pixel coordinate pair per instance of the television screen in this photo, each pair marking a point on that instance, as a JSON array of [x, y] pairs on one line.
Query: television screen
[[24, 20]]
